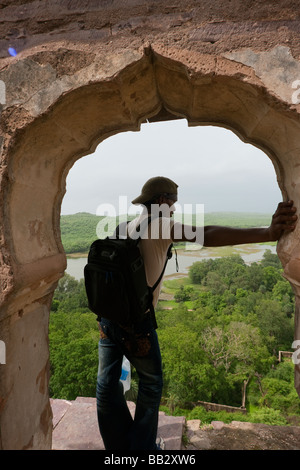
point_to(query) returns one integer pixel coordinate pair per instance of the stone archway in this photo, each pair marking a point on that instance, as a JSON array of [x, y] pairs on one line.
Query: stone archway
[[63, 116]]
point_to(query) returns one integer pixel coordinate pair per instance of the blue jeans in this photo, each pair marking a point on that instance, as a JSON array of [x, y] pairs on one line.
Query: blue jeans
[[118, 429]]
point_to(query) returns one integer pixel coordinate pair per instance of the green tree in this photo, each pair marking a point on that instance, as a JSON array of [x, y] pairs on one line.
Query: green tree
[[238, 350], [74, 369], [282, 292], [252, 278], [198, 271], [276, 327], [268, 416], [215, 283], [70, 295], [66, 287], [278, 390], [73, 354], [271, 276], [271, 259], [184, 293], [187, 374]]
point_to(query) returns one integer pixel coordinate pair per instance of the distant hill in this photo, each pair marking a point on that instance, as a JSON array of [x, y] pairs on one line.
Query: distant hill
[[238, 219], [78, 231]]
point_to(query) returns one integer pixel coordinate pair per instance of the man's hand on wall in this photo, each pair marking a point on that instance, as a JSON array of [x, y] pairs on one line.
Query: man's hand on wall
[[283, 220]]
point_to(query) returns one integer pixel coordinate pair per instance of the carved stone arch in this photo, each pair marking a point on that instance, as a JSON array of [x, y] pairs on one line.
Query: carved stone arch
[[66, 118]]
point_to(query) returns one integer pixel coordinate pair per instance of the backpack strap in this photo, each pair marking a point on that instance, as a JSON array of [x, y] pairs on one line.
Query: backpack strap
[[169, 256], [152, 289], [141, 229]]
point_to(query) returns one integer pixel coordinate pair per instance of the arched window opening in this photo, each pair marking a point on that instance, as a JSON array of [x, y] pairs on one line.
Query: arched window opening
[[236, 184], [214, 169]]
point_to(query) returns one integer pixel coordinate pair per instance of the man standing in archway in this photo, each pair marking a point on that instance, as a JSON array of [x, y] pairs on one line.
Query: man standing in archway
[[118, 429]]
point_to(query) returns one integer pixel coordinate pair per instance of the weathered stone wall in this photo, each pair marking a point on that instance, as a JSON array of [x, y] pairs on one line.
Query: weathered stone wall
[[216, 407], [89, 69]]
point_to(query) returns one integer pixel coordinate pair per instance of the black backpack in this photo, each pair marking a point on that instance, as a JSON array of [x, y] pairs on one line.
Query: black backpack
[[115, 279]]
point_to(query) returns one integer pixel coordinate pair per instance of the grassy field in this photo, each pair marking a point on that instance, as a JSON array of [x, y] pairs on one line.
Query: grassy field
[[238, 219]]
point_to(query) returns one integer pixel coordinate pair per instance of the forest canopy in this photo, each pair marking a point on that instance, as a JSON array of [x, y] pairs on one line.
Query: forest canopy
[[220, 335]]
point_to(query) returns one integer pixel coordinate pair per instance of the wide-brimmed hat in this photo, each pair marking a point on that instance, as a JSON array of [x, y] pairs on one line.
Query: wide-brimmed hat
[[155, 187]]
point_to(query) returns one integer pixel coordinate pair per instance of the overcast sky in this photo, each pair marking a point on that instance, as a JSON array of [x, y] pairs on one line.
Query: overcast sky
[[211, 165]]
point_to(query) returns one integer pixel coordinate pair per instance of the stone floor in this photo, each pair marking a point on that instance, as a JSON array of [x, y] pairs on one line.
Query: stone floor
[[75, 426]]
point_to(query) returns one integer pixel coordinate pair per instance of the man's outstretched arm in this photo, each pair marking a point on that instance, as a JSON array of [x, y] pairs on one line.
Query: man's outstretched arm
[[283, 220]]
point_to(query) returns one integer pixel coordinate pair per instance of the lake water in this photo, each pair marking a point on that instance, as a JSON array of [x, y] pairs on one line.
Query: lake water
[[249, 253]]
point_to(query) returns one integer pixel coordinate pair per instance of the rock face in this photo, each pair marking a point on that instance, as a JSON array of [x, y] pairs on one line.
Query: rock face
[[87, 70], [241, 436]]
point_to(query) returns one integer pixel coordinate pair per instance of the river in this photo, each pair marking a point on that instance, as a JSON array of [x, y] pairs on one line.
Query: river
[[249, 253]]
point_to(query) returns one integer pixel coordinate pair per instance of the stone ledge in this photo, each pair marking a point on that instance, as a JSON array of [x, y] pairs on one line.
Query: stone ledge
[[75, 426]]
